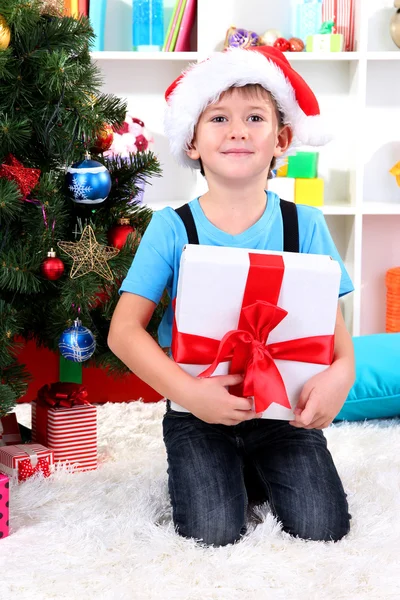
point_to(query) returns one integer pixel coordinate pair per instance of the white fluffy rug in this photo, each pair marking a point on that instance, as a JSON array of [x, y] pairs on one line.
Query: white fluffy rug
[[107, 534]]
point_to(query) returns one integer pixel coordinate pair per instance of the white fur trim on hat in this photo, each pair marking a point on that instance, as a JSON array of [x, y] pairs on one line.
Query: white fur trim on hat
[[203, 84]]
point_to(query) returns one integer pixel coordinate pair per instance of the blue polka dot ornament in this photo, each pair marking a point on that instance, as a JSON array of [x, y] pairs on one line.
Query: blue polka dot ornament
[[88, 181], [77, 343]]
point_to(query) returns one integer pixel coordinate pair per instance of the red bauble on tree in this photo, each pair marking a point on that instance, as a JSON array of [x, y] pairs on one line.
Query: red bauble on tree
[[104, 139], [118, 234], [52, 267]]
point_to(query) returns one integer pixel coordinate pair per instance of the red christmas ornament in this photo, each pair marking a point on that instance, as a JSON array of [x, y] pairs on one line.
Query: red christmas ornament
[[25, 178], [141, 143], [52, 267], [118, 234], [282, 44], [104, 139]]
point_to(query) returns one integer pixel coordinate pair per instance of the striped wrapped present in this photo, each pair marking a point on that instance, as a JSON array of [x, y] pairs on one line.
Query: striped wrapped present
[[24, 460], [343, 13], [64, 421]]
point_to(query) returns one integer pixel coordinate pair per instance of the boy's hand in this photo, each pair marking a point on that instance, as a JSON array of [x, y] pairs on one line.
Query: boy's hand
[[322, 398], [209, 400]]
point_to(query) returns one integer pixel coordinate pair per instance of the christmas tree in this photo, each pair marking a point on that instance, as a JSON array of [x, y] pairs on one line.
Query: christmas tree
[[52, 113]]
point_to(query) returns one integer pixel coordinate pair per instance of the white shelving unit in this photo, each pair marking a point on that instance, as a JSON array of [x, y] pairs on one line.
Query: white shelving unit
[[359, 94]]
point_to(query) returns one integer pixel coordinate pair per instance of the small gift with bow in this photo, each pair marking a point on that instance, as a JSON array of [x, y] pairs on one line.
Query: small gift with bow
[[64, 420], [25, 460], [267, 315]]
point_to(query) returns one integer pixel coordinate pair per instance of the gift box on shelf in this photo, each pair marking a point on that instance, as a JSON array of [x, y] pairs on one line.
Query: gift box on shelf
[[325, 42], [4, 506], [306, 18], [25, 460], [343, 14], [309, 191], [65, 421], [9, 430], [269, 315], [284, 187], [303, 165]]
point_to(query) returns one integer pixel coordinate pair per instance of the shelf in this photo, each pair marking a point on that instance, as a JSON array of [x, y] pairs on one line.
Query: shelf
[[384, 55], [159, 56], [194, 56], [338, 209], [381, 208], [323, 56]]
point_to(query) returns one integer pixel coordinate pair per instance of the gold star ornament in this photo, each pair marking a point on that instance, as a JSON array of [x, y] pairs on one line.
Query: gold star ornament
[[89, 255]]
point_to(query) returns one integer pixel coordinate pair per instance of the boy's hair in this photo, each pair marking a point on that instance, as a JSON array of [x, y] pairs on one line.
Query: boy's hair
[[250, 90]]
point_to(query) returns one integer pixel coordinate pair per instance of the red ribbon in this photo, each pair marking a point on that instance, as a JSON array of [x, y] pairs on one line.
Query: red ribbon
[[56, 395], [247, 347]]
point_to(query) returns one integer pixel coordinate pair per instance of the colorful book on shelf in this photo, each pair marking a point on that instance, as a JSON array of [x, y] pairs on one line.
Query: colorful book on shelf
[[67, 8], [189, 15], [174, 25], [83, 7], [74, 9]]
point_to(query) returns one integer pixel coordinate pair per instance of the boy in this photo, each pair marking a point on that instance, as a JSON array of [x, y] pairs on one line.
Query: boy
[[232, 116]]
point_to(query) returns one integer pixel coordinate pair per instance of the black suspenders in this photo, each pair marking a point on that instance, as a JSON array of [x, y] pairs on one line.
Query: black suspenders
[[289, 219]]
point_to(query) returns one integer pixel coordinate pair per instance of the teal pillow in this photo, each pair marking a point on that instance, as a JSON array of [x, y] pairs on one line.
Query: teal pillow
[[376, 391]]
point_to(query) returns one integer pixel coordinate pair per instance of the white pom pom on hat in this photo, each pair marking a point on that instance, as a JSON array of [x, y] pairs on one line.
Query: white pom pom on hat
[[203, 83]]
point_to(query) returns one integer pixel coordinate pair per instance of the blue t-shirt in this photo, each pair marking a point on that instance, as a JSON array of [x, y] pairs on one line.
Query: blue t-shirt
[[156, 263]]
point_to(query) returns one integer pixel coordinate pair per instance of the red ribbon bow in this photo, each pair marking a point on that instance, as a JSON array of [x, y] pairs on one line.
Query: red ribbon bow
[[247, 346], [63, 395], [27, 470]]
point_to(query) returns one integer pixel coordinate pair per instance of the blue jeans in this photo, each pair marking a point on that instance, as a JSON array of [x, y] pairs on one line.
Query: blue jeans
[[215, 471]]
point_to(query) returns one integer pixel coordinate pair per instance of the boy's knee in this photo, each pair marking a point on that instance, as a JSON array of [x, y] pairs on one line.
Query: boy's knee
[[321, 530], [213, 533]]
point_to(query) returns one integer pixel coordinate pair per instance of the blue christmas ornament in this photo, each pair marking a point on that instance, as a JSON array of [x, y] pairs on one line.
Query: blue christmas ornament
[[88, 181], [77, 343]]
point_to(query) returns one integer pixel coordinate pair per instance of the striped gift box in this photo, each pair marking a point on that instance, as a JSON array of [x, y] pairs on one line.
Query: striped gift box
[[12, 457], [343, 13], [71, 434]]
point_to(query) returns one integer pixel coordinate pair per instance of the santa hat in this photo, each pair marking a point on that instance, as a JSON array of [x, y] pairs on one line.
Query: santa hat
[[203, 83]]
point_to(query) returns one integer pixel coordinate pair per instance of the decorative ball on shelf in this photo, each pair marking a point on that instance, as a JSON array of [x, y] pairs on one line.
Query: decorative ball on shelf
[[118, 234], [104, 139], [296, 45], [395, 24], [52, 267], [88, 181], [77, 343], [270, 37], [5, 34], [240, 38], [282, 44]]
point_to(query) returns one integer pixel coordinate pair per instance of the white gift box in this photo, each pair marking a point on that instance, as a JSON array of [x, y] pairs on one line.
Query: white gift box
[[212, 285], [284, 187]]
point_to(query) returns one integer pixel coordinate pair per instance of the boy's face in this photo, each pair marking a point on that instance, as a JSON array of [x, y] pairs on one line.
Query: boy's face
[[238, 136]]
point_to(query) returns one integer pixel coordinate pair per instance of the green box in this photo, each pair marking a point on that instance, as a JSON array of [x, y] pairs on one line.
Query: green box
[[324, 42], [303, 165]]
